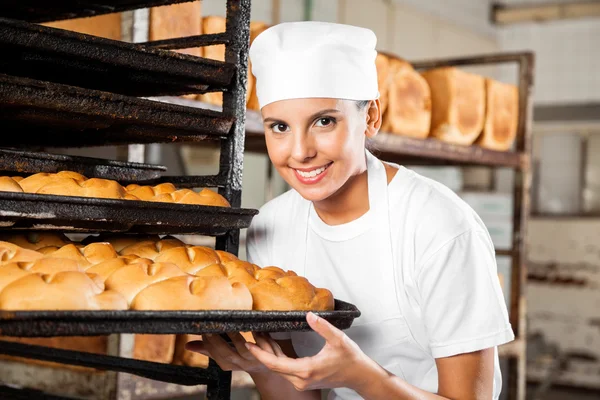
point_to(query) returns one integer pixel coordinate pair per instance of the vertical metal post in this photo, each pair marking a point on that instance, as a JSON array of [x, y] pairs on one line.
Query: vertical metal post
[[521, 210], [232, 148]]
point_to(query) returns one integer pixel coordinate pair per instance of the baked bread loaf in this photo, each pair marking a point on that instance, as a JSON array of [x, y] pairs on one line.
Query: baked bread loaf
[[131, 279], [139, 272], [176, 21], [256, 28], [384, 79], [68, 183], [458, 104], [408, 110], [67, 290], [501, 117], [36, 240], [193, 293], [155, 348], [213, 24]]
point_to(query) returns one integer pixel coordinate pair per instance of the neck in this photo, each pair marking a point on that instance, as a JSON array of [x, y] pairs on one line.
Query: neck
[[349, 203]]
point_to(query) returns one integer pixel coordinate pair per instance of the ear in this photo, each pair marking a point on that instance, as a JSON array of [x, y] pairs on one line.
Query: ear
[[373, 117]]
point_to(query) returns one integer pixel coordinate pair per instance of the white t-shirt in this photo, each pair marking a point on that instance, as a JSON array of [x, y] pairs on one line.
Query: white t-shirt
[[444, 259]]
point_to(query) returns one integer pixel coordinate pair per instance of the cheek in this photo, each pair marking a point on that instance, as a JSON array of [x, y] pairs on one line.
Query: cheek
[[276, 151]]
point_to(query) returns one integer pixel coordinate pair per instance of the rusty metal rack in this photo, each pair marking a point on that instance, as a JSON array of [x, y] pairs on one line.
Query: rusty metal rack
[[411, 151], [18, 162], [76, 90]]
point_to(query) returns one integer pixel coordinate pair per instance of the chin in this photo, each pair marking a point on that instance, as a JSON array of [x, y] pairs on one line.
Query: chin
[[312, 194]]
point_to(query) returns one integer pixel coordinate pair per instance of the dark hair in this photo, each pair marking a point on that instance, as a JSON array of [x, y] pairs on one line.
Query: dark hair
[[369, 143]]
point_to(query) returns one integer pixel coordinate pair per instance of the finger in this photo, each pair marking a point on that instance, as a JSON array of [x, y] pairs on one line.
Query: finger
[[273, 345], [329, 332], [239, 343], [221, 351], [264, 344], [283, 364], [197, 346]]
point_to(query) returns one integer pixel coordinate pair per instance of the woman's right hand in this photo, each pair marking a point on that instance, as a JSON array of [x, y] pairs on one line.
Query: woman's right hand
[[236, 358]]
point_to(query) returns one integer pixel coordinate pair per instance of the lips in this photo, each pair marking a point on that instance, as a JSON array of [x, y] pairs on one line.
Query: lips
[[311, 176]]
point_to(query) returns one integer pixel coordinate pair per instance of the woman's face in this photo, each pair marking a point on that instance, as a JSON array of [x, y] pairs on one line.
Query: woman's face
[[318, 144]]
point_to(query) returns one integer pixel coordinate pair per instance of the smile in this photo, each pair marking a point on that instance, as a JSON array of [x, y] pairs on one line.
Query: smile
[[312, 175]]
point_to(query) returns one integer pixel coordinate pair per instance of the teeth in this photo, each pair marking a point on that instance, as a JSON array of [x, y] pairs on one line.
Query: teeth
[[312, 173]]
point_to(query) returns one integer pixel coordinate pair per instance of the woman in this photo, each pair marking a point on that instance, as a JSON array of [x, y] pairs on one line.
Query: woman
[[408, 252]]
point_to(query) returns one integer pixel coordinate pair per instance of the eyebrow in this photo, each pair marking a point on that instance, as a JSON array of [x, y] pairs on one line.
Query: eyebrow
[[312, 117]]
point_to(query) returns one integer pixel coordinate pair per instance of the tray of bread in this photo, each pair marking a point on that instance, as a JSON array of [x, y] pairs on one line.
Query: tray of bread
[[69, 201], [32, 162], [53, 286]]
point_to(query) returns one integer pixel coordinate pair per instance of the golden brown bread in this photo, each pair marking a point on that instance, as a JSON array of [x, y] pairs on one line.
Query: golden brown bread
[[175, 21], [8, 184], [194, 293], [10, 253], [139, 266], [213, 24], [384, 78], [131, 279], [502, 116], [67, 290], [256, 28], [68, 183], [458, 104], [155, 348], [36, 240], [408, 110], [106, 25]]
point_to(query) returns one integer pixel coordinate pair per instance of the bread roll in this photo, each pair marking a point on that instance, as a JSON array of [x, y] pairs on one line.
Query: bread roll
[[194, 293], [213, 24], [88, 344], [290, 293], [131, 279], [409, 102], [12, 253], [189, 259], [151, 248], [154, 348], [120, 241], [384, 78], [36, 240], [256, 28], [502, 116], [105, 269], [458, 104], [34, 182], [68, 183], [176, 21], [8, 184], [11, 272], [68, 290], [85, 256]]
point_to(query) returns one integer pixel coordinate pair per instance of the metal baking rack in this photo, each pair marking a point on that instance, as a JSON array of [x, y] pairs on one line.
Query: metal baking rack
[[77, 91]]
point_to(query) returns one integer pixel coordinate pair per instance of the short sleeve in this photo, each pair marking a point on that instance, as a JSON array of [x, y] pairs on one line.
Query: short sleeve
[[461, 299]]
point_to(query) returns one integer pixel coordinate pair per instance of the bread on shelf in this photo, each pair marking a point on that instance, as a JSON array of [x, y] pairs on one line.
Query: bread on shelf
[[408, 110], [153, 274], [193, 293], [68, 183], [458, 104], [501, 117], [66, 290], [256, 28], [213, 24], [155, 348], [36, 240]]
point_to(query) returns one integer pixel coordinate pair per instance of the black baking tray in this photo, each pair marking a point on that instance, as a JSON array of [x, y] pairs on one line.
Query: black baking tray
[[87, 61], [83, 214], [20, 162], [91, 323], [70, 116]]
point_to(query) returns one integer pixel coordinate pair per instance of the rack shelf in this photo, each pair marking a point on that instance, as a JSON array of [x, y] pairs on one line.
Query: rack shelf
[[38, 10], [93, 62], [16, 162], [69, 116]]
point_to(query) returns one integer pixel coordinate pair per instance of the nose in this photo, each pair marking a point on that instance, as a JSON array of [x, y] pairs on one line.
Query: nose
[[303, 147]]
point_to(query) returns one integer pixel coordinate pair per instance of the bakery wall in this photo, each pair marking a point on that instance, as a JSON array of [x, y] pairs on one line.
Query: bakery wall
[[564, 299]]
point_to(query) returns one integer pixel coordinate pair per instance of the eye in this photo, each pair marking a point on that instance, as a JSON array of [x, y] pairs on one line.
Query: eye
[[279, 128], [325, 122]]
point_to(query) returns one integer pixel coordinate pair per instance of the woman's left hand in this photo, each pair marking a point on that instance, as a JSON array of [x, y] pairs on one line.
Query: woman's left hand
[[341, 363]]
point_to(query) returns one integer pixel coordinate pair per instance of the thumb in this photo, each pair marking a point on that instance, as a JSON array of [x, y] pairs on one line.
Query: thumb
[[329, 332]]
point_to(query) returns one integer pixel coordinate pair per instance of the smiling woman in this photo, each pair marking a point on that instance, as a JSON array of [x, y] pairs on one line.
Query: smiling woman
[[407, 251]]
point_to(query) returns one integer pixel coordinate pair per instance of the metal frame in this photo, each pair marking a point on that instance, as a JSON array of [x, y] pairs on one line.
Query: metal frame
[[396, 148], [228, 180]]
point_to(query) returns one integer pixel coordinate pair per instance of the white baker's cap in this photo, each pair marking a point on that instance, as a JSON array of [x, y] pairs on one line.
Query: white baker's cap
[[314, 59]]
